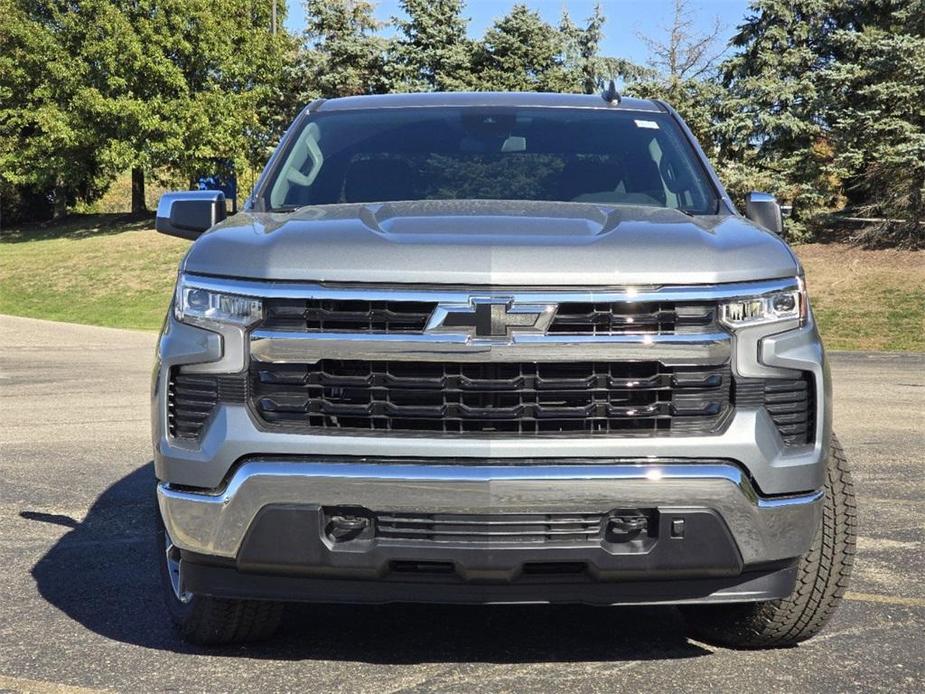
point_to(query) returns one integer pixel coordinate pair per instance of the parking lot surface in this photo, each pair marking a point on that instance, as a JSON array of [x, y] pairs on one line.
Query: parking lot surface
[[80, 608]]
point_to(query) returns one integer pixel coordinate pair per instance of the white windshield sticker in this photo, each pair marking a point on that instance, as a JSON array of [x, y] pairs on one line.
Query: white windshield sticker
[[647, 124]]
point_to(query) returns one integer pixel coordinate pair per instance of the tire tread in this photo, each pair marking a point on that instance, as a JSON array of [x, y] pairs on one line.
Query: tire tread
[[822, 579], [215, 621]]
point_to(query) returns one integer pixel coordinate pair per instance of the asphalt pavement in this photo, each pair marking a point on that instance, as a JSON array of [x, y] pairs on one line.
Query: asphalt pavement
[[80, 608]]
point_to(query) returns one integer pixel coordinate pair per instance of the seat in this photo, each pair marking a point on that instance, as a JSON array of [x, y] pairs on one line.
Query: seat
[[644, 180], [380, 180], [588, 177]]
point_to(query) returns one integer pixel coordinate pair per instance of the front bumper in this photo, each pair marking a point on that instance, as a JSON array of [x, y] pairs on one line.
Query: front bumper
[[269, 523], [249, 506]]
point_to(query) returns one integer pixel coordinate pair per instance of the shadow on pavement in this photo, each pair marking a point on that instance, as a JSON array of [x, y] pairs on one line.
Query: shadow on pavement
[[104, 575]]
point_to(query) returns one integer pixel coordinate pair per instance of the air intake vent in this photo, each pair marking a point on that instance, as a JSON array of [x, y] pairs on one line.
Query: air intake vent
[[789, 401], [550, 528], [190, 402]]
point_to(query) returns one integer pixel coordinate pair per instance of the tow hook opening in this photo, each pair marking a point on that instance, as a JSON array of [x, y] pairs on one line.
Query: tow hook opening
[[628, 525], [348, 524]]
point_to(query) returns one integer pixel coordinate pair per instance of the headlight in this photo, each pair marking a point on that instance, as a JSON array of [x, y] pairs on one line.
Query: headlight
[[768, 308], [195, 304]]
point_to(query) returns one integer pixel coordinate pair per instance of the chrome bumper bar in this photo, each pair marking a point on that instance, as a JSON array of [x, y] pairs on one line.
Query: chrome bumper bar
[[696, 348], [764, 529]]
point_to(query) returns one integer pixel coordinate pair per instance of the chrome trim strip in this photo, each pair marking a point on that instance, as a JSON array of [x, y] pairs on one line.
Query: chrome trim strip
[[796, 500], [216, 522], [289, 290], [376, 472], [490, 473], [296, 347]]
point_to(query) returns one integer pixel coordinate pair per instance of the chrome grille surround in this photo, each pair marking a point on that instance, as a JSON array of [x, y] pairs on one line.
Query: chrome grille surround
[[677, 331]]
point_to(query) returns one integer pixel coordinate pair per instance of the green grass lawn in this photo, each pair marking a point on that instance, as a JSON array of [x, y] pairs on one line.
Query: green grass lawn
[[105, 269], [114, 270], [867, 300]]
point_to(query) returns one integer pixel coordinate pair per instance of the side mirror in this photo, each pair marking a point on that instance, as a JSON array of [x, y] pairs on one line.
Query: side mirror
[[189, 213], [763, 210]]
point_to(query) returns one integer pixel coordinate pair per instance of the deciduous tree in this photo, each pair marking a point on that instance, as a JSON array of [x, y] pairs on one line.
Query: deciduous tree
[[682, 71], [104, 85], [53, 147]]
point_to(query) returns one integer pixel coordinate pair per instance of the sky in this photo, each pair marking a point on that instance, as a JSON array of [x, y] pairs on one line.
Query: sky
[[625, 18]]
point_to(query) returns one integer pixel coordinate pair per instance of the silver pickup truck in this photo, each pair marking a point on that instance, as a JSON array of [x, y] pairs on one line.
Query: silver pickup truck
[[495, 348]]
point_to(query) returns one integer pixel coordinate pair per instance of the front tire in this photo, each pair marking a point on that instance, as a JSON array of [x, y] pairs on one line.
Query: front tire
[[822, 578], [205, 620]]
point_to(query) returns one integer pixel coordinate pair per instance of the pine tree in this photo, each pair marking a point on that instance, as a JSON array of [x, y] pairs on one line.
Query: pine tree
[[432, 52], [585, 68], [343, 55], [772, 121], [876, 111], [580, 49], [521, 52]]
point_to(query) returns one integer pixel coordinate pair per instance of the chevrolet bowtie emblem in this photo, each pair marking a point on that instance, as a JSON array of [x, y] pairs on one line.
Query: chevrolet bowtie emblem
[[491, 318]]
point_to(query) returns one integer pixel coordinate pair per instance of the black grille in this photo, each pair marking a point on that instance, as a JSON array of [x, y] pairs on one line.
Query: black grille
[[625, 318], [190, 402], [328, 315], [541, 528], [789, 401], [522, 398], [191, 399]]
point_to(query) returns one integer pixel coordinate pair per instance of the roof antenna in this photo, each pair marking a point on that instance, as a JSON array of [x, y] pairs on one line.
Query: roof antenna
[[610, 93]]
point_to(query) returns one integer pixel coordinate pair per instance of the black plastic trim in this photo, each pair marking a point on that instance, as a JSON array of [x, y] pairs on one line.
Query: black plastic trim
[[294, 540], [226, 582]]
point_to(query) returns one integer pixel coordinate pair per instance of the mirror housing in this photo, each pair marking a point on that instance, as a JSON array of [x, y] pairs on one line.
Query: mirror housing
[[189, 213], [763, 210]]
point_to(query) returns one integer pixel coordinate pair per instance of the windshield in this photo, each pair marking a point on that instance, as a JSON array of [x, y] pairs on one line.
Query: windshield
[[476, 153]]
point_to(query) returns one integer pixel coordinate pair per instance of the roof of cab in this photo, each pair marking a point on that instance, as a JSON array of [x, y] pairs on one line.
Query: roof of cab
[[522, 99]]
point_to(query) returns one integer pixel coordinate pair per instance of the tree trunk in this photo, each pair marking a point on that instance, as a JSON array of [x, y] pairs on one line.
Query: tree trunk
[[138, 191], [59, 201]]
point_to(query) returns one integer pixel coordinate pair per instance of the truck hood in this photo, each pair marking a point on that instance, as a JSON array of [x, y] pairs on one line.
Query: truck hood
[[490, 243]]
